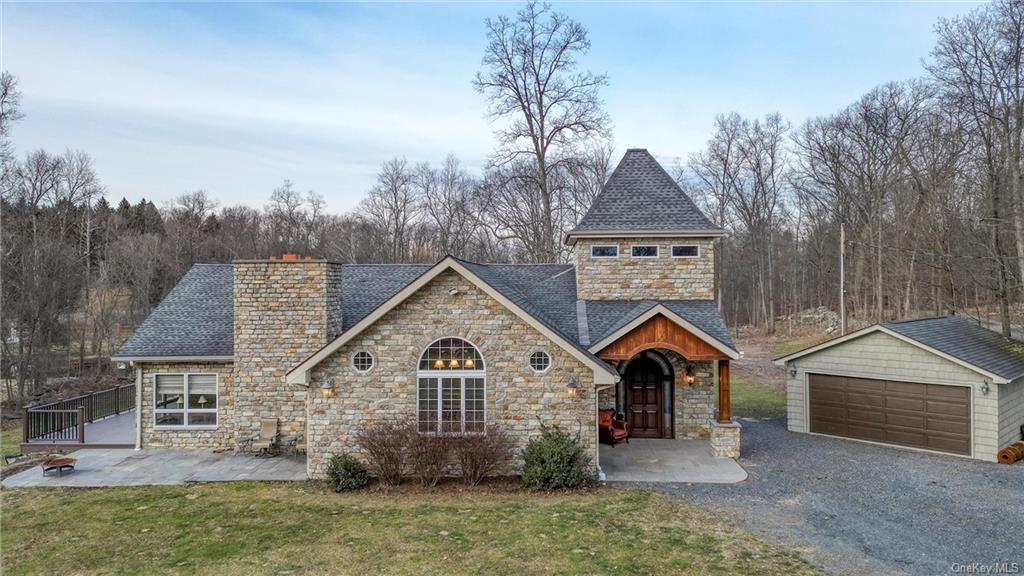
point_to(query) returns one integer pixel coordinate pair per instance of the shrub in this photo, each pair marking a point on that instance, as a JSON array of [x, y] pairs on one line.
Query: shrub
[[480, 455], [385, 445], [347, 473], [555, 460], [428, 456]]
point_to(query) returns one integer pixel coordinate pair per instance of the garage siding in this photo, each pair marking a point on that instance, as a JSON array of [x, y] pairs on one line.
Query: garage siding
[[1011, 412], [881, 356]]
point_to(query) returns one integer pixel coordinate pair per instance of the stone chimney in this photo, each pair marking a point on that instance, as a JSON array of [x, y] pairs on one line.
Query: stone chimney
[[286, 309]]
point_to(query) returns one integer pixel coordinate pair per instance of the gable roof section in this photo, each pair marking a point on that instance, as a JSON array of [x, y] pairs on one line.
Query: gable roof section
[[515, 301], [698, 317], [957, 339], [194, 321], [640, 197]]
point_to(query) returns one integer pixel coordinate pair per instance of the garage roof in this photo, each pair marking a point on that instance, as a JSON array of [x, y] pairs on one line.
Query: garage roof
[[962, 340]]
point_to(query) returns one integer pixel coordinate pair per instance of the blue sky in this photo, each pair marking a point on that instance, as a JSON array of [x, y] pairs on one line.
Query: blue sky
[[234, 98]]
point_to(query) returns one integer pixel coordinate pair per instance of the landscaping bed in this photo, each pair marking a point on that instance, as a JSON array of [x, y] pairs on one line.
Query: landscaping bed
[[258, 528]]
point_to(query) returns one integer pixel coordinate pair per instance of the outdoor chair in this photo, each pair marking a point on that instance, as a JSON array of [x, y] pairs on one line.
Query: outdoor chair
[[266, 443], [612, 429]]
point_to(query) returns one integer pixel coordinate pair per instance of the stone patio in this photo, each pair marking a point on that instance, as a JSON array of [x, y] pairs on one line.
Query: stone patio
[[152, 466], [675, 461]]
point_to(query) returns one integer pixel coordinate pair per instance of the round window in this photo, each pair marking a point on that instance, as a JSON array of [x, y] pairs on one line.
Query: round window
[[540, 361], [362, 361]]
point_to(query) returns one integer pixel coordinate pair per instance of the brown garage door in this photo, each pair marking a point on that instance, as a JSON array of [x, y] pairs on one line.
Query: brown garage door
[[928, 416]]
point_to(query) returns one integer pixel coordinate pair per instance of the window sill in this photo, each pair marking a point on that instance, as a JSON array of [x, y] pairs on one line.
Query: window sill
[[158, 427]]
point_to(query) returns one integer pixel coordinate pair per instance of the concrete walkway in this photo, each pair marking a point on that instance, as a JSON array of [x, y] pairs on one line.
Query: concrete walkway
[[663, 460], [152, 466]]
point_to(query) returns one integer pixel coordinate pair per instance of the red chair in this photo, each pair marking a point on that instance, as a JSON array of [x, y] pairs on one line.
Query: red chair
[[612, 430]]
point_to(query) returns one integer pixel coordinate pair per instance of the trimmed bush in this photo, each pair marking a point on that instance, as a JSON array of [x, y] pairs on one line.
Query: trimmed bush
[[480, 455], [556, 460], [347, 473], [428, 457], [385, 446]]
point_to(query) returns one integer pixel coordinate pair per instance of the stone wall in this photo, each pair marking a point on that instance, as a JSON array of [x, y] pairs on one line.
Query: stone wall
[[695, 403], [628, 278], [518, 399], [221, 437], [284, 311]]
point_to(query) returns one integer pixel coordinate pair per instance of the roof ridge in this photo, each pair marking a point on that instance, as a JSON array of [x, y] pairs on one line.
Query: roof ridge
[[925, 318]]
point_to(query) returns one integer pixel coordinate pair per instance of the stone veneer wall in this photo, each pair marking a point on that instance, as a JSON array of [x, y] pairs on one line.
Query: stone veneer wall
[[222, 437], [519, 400], [661, 278], [284, 312]]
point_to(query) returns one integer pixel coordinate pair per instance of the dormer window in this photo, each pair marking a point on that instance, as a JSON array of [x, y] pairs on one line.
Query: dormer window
[[645, 251], [686, 251], [609, 251]]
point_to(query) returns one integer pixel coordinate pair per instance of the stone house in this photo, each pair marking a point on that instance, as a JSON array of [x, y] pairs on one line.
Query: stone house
[[325, 348]]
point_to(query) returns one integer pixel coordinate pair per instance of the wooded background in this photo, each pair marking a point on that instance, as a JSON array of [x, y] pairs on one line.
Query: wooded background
[[924, 174]]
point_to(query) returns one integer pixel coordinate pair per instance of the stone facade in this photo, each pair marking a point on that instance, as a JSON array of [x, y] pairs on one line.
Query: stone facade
[[881, 356], [223, 436], [517, 399], [725, 439], [661, 278], [284, 312]]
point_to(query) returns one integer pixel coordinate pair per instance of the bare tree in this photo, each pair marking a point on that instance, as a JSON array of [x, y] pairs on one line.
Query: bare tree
[[530, 77]]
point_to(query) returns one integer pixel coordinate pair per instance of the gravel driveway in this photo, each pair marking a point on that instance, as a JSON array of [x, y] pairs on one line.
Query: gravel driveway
[[858, 508]]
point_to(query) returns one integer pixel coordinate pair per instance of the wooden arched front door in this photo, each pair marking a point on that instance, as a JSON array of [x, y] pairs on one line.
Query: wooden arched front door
[[645, 397]]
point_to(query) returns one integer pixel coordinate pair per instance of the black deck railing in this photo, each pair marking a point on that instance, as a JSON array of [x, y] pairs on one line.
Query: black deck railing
[[65, 420]]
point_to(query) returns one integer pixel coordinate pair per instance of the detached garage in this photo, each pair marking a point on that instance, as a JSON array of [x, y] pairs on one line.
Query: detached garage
[[941, 384]]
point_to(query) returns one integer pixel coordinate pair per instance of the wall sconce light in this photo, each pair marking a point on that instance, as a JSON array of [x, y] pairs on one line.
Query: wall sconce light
[[689, 374], [792, 371], [327, 388], [984, 387], [572, 388]]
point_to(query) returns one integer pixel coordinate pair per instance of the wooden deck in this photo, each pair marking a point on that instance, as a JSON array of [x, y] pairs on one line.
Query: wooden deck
[[111, 432]]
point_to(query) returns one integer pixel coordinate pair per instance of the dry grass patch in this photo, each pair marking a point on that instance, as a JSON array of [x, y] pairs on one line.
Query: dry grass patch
[[258, 528]]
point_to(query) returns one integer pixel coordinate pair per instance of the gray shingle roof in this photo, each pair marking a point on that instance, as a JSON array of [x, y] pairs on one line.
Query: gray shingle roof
[[966, 340], [606, 316], [640, 196], [195, 319]]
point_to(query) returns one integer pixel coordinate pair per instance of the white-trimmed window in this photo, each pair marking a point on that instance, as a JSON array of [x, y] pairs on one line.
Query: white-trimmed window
[[362, 361], [686, 251], [540, 361], [605, 251], [644, 251], [451, 393], [185, 400]]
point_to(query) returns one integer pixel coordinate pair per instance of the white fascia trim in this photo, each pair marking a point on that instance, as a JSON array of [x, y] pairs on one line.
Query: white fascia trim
[[300, 374], [172, 358], [664, 311], [572, 236], [996, 379]]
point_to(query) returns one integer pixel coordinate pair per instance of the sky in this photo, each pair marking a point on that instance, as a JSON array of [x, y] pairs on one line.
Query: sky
[[234, 98]]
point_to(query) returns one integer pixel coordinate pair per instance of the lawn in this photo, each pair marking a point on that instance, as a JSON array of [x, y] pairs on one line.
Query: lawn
[[752, 399], [263, 528], [10, 443]]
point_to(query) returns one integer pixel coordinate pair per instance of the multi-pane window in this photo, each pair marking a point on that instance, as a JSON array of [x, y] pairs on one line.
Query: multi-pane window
[[185, 400], [645, 251], [686, 251], [540, 361], [362, 361], [604, 251], [450, 391]]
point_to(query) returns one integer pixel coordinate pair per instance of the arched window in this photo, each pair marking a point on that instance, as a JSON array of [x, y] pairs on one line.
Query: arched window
[[450, 391]]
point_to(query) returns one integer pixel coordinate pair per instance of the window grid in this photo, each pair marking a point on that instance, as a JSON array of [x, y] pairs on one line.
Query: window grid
[[183, 400], [362, 361], [686, 251], [540, 361], [604, 251], [644, 251], [452, 399]]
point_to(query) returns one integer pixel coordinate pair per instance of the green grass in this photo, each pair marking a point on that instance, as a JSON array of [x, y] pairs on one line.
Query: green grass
[[795, 344], [253, 528], [752, 399], [10, 443]]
